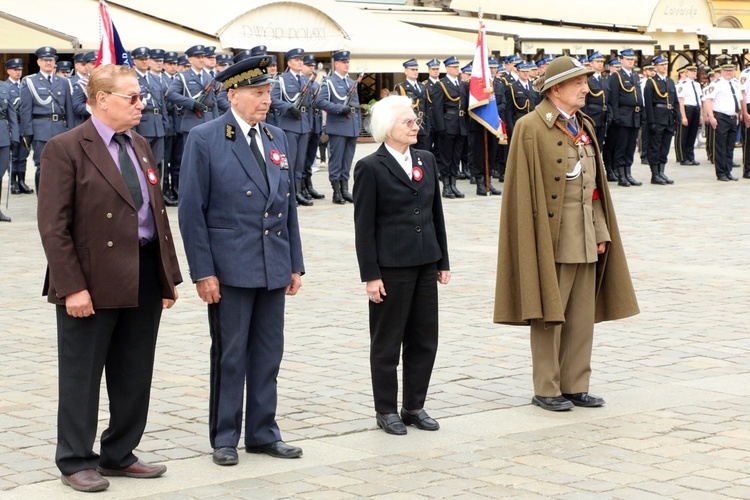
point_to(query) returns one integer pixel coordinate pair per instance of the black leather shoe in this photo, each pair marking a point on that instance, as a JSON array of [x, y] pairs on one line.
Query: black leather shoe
[[391, 423], [746, 176], [225, 456], [421, 420], [696, 163], [731, 177], [722, 178], [558, 403], [278, 449], [584, 399], [686, 163]]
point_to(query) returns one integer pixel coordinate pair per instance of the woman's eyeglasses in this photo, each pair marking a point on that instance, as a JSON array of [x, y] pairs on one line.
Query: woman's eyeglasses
[[411, 121], [133, 98]]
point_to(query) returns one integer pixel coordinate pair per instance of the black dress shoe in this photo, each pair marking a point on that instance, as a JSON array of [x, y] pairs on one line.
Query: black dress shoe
[[558, 403], [731, 177], [390, 423], [686, 163], [584, 399], [421, 420], [278, 449], [696, 163], [722, 178], [225, 455], [746, 176]]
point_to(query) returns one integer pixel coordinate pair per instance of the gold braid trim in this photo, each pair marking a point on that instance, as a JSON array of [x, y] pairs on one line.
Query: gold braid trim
[[445, 91], [515, 103], [658, 92], [400, 88]]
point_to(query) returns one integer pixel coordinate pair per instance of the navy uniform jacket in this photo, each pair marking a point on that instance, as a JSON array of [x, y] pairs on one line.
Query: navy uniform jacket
[[662, 107], [597, 101], [625, 98], [9, 125], [154, 120], [498, 86], [315, 115], [419, 102], [234, 224], [41, 100], [79, 99], [15, 97], [175, 111], [399, 222], [340, 120], [283, 94], [449, 105], [185, 87], [520, 101]]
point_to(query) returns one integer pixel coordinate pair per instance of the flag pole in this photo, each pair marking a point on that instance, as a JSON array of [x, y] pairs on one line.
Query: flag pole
[[484, 136]]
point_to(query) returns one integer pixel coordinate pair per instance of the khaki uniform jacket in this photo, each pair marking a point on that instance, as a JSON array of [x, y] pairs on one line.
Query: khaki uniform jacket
[[533, 197]]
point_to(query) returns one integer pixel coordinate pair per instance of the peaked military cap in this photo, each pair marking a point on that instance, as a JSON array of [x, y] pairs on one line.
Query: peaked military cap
[[46, 53], [140, 53], [242, 55], [223, 59], [545, 60], [660, 59], [690, 67], [170, 57], [342, 55], [432, 63], [525, 66], [563, 69], [596, 56], [195, 50], [728, 66], [411, 63], [583, 60], [258, 50], [492, 62], [156, 54], [309, 60], [250, 72], [183, 61], [649, 67], [78, 57], [89, 57], [467, 68], [209, 51], [294, 54], [451, 61], [614, 62], [15, 63], [627, 53], [64, 66], [512, 59]]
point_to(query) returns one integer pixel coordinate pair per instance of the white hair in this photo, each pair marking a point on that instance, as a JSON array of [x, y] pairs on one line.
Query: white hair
[[384, 114]]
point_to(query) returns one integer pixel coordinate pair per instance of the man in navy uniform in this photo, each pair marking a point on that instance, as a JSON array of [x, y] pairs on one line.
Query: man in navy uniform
[[173, 140], [243, 261], [418, 93], [292, 110], [316, 125], [19, 151], [80, 81], [626, 101], [154, 122], [596, 106], [343, 124], [64, 68], [662, 116], [46, 106], [449, 103], [9, 136], [433, 76]]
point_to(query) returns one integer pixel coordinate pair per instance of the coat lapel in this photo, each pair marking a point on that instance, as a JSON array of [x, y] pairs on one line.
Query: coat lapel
[[142, 155], [97, 152], [243, 153], [272, 170], [393, 166]]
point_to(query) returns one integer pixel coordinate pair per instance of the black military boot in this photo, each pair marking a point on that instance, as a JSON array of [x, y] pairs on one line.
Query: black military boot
[[303, 190], [481, 188], [3, 217], [22, 184], [456, 192], [655, 177], [311, 190], [623, 179], [337, 197], [14, 183], [630, 178], [298, 193], [345, 192], [447, 191], [663, 175], [175, 187]]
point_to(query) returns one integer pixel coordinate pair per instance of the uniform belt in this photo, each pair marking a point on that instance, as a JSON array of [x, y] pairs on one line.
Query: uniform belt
[[155, 111], [691, 106], [732, 116], [637, 109], [303, 109], [55, 117], [660, 105], [595, 105], [454, 111]]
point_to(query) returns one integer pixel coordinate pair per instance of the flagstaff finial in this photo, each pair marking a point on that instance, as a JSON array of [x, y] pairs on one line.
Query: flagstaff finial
[[479, 14]]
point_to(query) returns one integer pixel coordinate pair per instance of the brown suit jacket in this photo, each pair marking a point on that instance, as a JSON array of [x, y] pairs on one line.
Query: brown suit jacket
[[89, 225]]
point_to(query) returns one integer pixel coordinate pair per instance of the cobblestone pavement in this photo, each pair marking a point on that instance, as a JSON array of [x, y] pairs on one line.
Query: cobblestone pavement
[[676, 377]]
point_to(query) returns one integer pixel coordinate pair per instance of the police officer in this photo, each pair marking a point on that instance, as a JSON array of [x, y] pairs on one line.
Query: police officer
[[449, 102], [711, 75], [499, 82], [9, 135], [724, 107], [46, 106], [596, 104], [316, 128], [154, 121], [19, 151], [626, 101], [291, 100], [338, 97], [662, 116], [417, 92], [689, 94]]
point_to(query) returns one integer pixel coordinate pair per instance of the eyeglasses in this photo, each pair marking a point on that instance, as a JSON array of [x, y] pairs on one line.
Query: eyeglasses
[[133, 98], [411, 121]]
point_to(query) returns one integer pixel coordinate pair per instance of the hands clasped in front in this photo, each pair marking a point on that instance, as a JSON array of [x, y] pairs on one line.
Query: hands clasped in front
[[376, 290], [208, 289]]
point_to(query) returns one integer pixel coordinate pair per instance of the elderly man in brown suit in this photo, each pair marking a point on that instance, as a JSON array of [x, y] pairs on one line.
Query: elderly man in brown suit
[[112, 268], [560, 278]]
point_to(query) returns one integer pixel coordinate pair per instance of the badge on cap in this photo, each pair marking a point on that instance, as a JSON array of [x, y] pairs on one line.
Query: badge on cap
[[416, 173], [151, 176]]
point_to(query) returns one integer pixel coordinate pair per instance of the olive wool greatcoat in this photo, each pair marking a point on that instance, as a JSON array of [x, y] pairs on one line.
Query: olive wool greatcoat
[[533, 197]]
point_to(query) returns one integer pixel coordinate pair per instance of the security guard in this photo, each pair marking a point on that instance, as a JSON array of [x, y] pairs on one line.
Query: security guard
[[291, 102], [154, 122], [626, 101], [689, 94], [596, 103], [9, 136], [662, 116], [343, 124], [418, 94], [724, 105], [19, 151], [46, 106], [450, 102], [316, 125]]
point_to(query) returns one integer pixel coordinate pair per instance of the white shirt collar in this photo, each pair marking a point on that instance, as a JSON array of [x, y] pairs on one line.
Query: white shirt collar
[[403, 159], [245, 128]]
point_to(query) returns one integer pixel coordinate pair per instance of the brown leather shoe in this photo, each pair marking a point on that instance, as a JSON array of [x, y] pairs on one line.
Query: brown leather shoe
[[85, 480], [139, 469]]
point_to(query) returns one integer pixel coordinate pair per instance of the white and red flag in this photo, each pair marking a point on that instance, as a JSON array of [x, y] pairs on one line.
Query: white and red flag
[[482, 103], [111, 50]]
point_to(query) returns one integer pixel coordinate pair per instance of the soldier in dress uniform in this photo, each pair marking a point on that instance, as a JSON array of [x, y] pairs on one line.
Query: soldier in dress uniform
[[542, 64], [343, 124], [645, 74], [689, 94], [433, 77], [449, 103], [626, 101], [480, 140], [209, 60], [80, 81], [156, 72], [499, 82], [173, 140], [64, 68], [609, 146], [9, 134], [316, 128], [183, 63], [596, 104], [19, 151], [223, 61], [662, 116], [510, 64], [418, 93], [467, 159], [78, 67], [46, 106], [292, 103], [724, 107], [521, 97]]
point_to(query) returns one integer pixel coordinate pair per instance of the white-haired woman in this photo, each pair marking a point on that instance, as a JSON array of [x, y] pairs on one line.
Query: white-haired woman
[[402, 251]]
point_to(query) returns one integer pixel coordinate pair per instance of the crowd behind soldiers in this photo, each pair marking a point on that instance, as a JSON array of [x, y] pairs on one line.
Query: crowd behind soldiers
[[179, 92]]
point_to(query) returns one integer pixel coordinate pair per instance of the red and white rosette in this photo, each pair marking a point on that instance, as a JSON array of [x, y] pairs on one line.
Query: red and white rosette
[[276, 157], [417, 174], [152, 176]]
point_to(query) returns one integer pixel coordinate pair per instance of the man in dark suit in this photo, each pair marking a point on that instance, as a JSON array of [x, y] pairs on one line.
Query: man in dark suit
[[112, 268], [243, 262], [662, 116], [626, 101]]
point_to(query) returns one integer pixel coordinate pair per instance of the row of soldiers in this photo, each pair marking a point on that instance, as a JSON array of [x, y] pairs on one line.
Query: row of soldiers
[[179, 93]]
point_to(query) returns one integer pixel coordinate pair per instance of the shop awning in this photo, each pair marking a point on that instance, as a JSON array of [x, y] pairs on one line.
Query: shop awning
[[734, 41], [20, 35]]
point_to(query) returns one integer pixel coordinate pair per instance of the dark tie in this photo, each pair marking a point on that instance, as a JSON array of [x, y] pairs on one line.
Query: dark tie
[[212, 73], [697, 101], [256, 152], [49, 79], [416, 86], [299, 81], [128, 171], [734, 98]]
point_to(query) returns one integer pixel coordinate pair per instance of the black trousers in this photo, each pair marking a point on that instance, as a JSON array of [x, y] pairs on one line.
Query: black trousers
[[724, 138], [407, 316], [449, 150], [123, 341], [476, 143], [660, 140], [624, 140], [690, 133]]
